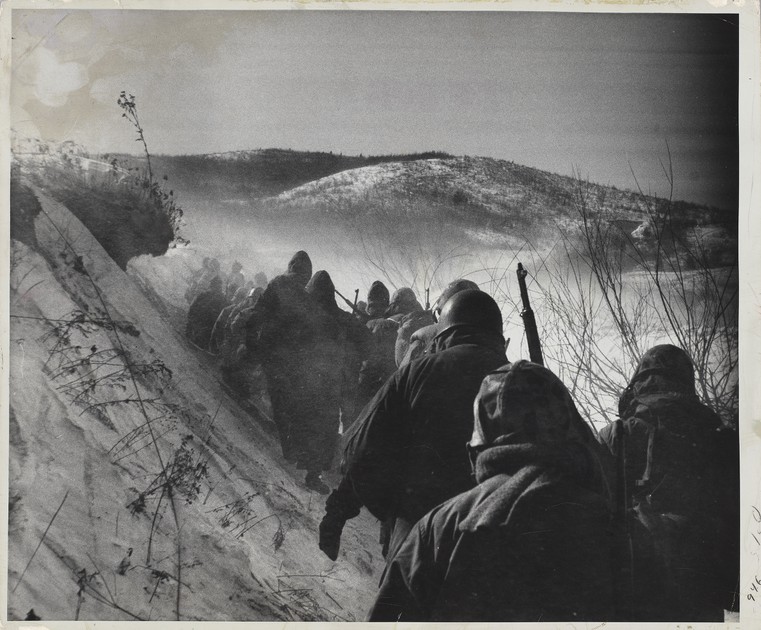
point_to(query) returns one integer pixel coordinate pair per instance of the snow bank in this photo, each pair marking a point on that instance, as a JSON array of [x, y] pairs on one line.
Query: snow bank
[[231, 537]]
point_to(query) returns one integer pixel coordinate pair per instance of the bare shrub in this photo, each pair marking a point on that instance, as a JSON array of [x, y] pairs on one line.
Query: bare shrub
[[608, 294]]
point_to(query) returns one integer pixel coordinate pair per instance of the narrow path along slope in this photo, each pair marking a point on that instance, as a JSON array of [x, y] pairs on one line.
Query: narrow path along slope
[[172, 501]]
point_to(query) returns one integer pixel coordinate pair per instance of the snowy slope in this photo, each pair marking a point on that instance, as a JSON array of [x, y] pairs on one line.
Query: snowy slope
[[488, 187], [226, 533]]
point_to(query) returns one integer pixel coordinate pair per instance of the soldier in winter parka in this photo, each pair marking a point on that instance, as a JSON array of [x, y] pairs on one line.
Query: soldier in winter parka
[[203, 313], [532, 541], [235, 280], [406, 452], [280, 333], [221, 327], [405, 309], [238, 367], [339, 342], [379, 364], [677, 496]]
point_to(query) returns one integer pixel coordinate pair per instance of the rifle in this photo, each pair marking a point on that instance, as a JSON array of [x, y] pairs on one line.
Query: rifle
[[529, 322], [353, 307]]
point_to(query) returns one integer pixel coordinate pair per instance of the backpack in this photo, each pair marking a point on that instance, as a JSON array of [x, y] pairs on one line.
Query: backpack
[[675, 508]]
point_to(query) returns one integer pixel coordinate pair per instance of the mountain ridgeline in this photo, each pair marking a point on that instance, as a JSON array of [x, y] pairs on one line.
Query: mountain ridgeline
[[263, 173], [495, 201]]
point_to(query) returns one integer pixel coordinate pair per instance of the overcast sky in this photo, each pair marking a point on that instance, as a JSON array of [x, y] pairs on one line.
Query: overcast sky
[[600, 93]]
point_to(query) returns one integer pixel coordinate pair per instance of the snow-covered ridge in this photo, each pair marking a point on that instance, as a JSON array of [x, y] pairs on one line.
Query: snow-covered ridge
[[233, 538]]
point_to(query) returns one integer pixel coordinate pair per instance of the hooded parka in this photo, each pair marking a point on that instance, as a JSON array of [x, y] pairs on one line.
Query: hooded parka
[[677, 481], [203, 313], [419, 343], [340, 340], [281, 333], [531, 541]]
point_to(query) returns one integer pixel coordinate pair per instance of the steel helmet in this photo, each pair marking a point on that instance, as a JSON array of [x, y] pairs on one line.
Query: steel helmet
[[471, 307], [453, 287]]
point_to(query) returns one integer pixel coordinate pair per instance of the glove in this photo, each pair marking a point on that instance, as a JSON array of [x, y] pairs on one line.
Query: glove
[[330, 535]]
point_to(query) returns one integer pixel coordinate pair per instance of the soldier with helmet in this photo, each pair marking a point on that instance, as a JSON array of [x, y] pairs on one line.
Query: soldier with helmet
[[405, 454], [417, 343], [379, 364]]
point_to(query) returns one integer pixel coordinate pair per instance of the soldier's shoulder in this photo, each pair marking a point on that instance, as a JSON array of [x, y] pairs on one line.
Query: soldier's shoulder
[[380, 324], [425, 333], [417, 319]]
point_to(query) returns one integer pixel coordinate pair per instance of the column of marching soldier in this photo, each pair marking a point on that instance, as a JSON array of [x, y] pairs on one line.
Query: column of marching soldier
[[497, 501]]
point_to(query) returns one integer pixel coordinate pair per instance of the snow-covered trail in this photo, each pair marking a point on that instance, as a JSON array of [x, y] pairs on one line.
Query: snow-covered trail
[[232, 537]]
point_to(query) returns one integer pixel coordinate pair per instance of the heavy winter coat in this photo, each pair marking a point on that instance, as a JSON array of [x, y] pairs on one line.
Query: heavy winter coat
[[406, 452], [283, 314], [529, 543], [243, 311], [339, 342], [357, 346], [220, 334], [419, 343], [409, 324], [235, 281], [677, 480], [203, 314], [281, 333], [532, 541], [379, 363]]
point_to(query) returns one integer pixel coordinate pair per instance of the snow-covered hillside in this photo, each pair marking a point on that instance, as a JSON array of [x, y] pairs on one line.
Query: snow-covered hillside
[[490, 186], [138, 488]]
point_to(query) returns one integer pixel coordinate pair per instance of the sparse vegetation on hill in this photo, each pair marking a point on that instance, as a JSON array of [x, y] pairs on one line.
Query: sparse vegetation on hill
[[508, 202], [128, 215], [263, 173], [605, 296], [124, 207]]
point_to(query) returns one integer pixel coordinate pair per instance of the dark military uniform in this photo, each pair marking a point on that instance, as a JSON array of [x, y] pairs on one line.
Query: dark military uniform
[[677, 480], [419, 343], [417, 333], [406, 452], [531, 541], [339, 342], [379, 363], [203, 313], [280, 333]]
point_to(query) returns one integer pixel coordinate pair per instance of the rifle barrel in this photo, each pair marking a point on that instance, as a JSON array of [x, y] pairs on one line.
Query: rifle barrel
[[529, 321], [353, 307]]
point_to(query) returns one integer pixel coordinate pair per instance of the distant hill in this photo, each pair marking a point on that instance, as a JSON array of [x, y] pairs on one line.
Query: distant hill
[[260, 173], [487, 200], [490, 199]]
